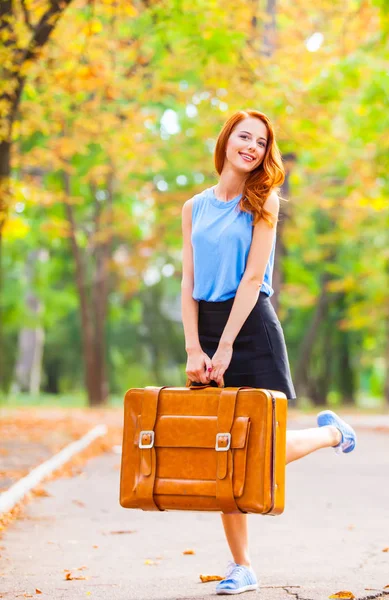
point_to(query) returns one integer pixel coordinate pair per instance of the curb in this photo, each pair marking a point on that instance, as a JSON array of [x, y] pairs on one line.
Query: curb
[[11, 497]]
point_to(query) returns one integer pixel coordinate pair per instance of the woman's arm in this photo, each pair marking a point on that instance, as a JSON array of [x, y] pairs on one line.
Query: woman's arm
[[249, 288], [198, 361], [189, 306]]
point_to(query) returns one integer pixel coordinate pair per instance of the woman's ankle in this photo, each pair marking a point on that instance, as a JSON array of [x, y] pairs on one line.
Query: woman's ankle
[[244, 563], [337, 435]]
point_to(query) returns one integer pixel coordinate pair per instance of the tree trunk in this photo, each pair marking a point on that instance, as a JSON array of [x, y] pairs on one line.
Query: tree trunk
[[345, 373], [92, 368], [280, 252], [269, 37], [5, 168], [13, 72], [386, 356], [301, 374], [28, 369]]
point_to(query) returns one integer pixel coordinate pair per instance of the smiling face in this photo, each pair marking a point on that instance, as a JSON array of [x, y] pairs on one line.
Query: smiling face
[[246, 146]]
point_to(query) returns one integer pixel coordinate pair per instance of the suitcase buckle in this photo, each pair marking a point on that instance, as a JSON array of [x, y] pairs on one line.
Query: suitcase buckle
[[220, 436], [146, 432]]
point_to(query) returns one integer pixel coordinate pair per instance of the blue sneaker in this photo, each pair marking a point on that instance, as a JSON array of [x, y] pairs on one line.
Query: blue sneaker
[[349, 438], [238, 579]]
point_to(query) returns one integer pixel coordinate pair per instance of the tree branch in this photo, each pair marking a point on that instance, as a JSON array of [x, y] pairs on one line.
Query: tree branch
[[27, 16]]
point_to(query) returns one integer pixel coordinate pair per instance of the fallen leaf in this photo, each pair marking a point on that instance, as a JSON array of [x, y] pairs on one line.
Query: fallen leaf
[[39, 491], [385, 550], [148, 561], [38, 591], [94, 546], [120, 531], [344, 594], [386, 587], [206, 578], [189, 552], [70, 577], [79, 503]]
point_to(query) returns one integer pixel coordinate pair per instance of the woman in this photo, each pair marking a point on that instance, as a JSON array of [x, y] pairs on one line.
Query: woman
[[231, 330]]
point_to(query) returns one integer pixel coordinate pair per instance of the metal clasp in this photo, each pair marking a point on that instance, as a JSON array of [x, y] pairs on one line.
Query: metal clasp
[[220, 436], [146, 432]]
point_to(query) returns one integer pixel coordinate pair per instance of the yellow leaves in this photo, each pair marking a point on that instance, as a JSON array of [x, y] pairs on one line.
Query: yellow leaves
[[66, 147], [56, 228], [93, 27], [207, 578], [347, 284], [15, 228], [343, 595], [379, 204], [70, 577]]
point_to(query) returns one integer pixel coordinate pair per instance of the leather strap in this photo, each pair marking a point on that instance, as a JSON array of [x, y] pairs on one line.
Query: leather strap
[[273, 454], [148, 457], [224, 463]]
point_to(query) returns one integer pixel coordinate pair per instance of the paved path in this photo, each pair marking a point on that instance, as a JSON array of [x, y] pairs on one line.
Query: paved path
[[330, 538]]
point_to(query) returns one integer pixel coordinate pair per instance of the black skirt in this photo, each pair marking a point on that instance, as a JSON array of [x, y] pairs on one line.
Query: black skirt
[[259, 357]]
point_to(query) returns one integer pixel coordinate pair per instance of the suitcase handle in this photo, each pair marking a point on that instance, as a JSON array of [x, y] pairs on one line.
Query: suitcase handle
[[198, 385]]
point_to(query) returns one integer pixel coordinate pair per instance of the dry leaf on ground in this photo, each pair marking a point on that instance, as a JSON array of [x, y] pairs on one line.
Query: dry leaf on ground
[[79, 503], [40, 491], [206, 578], [70, 577], [148, 561], [385, 550], [38, 591], [189, 551], [120, 531], [344, 595]]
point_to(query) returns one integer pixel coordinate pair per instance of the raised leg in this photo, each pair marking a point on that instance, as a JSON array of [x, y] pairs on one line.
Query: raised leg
[[299, 443]]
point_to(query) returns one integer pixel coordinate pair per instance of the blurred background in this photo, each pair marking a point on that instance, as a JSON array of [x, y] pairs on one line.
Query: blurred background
[[109, 113]]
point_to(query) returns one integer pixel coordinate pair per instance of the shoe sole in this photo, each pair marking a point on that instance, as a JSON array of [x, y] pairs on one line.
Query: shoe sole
[[246, 588]]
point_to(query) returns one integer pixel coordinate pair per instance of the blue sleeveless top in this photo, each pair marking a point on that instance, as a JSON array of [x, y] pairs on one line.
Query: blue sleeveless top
[[221, 240]]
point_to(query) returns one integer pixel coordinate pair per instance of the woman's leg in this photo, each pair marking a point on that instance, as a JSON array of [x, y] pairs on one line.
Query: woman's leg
[[299, 443], [235, 528]]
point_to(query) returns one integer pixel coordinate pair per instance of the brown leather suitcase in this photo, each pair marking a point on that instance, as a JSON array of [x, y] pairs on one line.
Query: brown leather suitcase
[[204, 448]]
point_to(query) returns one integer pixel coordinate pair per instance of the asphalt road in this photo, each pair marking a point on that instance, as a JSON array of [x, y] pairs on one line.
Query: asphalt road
[[330, 538]]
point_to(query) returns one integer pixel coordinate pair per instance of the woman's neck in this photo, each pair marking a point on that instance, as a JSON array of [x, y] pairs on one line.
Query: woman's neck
[[230, 185]]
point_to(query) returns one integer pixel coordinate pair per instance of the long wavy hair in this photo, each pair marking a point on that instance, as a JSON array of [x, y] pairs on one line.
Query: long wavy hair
[[268, 176]]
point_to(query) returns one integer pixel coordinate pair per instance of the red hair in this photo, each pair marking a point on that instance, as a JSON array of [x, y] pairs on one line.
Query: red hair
[[268, 176]]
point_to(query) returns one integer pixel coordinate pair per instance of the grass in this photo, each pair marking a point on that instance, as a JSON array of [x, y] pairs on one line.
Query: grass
[[78, 399]]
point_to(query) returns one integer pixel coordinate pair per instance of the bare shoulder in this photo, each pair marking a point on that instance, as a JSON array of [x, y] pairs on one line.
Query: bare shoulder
[[186, 213], [187, 206]]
